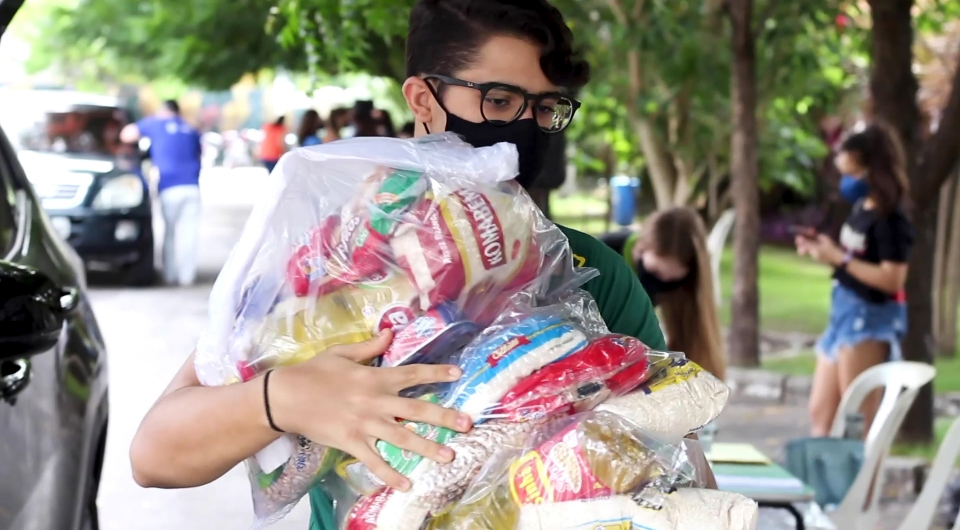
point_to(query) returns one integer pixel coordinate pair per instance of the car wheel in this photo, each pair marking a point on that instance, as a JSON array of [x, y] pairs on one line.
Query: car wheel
[[142, 273]]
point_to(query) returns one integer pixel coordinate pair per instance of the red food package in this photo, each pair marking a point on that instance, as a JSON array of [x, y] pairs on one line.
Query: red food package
[[464, 246], [612, 364], [338, 252]]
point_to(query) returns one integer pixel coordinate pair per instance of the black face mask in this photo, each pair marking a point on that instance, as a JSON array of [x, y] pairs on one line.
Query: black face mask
[[531, 141], [653, 285]]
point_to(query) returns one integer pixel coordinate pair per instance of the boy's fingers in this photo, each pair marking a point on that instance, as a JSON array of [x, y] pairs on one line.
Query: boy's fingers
[[366, 350], [405, 439], [404, 377], [422, 411], [371, 458]]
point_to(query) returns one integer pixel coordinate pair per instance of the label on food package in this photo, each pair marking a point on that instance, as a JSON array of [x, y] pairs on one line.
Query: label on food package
[[557, 471], [680, 371], [486, 228], [397, 192], [505, 358], [365, 514], [403, 461], [437, 334]]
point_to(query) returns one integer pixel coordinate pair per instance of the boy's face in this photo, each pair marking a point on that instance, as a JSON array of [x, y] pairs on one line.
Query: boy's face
[[503, 59]]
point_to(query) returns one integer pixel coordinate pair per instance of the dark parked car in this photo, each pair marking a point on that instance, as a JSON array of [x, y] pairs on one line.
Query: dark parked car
[[53, 369], [87, 180]]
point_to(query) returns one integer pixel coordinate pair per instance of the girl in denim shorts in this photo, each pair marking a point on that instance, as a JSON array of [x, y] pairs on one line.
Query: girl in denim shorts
[[868, 315]]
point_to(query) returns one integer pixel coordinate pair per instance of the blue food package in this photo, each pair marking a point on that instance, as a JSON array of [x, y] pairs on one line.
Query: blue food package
[[495, 364]]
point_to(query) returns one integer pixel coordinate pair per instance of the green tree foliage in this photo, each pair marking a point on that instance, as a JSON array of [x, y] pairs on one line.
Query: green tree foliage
[[201, 42], [668, 64]]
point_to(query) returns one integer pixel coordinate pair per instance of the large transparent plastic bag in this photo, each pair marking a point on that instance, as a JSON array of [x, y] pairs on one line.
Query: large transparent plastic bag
[[427, 237], [534, 364]]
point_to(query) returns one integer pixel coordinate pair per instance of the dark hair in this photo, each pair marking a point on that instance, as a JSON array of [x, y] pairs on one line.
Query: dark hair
[[445, 36], [878, 149], [409, 128], [387, 121], [280, 121], [336, 117], [363, 121], [310, 123], [172, 106]]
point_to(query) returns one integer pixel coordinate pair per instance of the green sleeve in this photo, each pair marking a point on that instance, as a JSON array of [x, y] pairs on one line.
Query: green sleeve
[[623, 303]]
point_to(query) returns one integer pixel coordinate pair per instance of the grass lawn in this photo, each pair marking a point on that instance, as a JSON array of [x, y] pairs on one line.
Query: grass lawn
[[582, 212], [794, 291]]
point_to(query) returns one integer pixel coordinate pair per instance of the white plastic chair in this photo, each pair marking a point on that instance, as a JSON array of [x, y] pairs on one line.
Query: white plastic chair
[[924, 509], [716, 241], [902, 381]]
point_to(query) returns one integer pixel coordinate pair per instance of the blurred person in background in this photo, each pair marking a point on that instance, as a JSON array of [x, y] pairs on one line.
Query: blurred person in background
[[339, 118], [274, 143], [669, 255], [868, 314], [175, 150], [365, 122], [384, 123], [407, 131], [310, 125]]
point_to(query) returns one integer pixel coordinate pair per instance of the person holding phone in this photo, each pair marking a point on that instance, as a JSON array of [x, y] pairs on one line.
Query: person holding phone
[[868, 316]]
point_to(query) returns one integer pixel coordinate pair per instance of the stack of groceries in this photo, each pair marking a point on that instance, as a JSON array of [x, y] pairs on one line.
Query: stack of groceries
[[574, 427]]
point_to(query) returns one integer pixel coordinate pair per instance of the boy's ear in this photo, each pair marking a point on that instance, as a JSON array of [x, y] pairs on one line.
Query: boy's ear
[[420, 99]]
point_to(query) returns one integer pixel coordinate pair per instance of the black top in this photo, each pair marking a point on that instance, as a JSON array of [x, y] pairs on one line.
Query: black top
[[873, 237]]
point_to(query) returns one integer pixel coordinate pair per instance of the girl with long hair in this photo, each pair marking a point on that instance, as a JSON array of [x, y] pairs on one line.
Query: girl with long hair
[[868, 315], [339, 118], [670, 257], [310, 124]]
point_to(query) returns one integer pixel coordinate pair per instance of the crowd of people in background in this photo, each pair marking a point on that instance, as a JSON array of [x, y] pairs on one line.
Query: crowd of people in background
[[363, 120]]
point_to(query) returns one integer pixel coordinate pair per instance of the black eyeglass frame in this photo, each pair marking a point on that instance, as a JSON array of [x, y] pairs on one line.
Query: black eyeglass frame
[[485, 88]]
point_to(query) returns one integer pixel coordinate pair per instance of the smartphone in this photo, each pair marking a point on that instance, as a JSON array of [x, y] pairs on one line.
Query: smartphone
[[802, 231]]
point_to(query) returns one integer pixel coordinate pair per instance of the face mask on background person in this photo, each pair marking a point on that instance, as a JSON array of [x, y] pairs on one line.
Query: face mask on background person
[[653, 285], [853, 189]]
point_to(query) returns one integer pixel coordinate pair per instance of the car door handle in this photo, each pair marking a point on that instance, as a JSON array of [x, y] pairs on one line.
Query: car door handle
[[69, 299], [15, 377]]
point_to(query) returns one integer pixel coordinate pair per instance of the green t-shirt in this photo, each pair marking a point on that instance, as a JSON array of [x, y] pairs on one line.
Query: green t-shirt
[[623, 303]]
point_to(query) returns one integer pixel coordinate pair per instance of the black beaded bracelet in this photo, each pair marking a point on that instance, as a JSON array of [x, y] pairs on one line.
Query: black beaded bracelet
[[266, 403]]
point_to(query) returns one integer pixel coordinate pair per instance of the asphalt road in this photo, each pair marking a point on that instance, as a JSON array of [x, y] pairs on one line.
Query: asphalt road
[[149, 333]]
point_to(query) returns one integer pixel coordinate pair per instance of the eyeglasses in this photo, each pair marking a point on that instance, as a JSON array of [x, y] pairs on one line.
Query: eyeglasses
[[502, 104]]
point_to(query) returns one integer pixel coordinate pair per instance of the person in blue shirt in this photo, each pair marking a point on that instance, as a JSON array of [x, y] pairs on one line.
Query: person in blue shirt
[[175, 151]]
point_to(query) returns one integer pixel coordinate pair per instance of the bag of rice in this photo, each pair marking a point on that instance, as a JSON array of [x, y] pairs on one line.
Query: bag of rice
[[674, 403], [684, 509]]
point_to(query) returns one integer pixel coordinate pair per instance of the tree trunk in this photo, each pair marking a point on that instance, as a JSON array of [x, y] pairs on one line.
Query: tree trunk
[[893, 88], [918, 342], [744, 347], [947, 278], [663, 174]]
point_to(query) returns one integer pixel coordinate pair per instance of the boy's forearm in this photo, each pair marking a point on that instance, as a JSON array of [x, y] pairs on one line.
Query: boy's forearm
[[194, 435]]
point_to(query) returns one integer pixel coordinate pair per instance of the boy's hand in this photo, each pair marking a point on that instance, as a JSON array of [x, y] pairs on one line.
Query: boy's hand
[[337, 402]]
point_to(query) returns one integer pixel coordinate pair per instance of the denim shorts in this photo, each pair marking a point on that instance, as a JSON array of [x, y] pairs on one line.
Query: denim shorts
[[854, 320]]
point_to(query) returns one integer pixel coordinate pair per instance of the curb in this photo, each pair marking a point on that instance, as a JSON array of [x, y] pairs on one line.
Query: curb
[[770, 387]]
